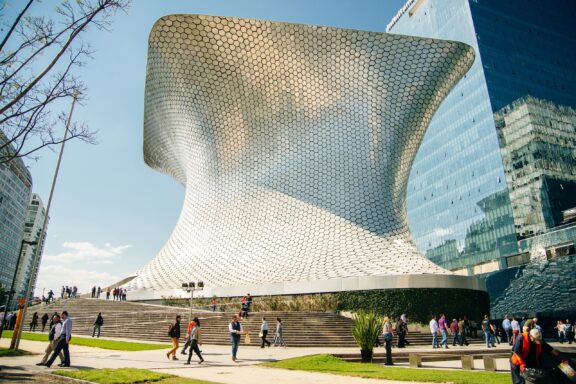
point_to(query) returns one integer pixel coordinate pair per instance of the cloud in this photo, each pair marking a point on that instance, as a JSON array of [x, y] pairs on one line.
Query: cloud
[[54, 276], [87, 252]]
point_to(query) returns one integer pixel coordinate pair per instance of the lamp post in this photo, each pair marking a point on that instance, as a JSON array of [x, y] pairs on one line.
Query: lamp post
[[11, 291], [191, 287]]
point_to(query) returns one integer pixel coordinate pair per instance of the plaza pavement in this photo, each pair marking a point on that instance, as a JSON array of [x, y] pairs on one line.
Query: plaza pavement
[[218, 366]]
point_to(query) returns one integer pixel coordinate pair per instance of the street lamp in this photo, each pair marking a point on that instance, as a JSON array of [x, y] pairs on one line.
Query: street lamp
[[11, 291], [191, 287]]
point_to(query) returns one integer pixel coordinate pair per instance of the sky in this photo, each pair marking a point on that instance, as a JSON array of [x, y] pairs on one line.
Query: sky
[[111, 213]]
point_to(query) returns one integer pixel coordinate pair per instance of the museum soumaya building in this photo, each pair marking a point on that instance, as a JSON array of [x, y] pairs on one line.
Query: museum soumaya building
[[294, 143], [318, 159]]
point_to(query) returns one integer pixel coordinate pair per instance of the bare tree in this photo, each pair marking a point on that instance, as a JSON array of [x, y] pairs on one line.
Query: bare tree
[[38, 57]]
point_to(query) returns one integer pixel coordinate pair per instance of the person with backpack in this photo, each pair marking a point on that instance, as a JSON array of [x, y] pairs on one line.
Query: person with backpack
[[174, 334], [98, 323], [53, 336]]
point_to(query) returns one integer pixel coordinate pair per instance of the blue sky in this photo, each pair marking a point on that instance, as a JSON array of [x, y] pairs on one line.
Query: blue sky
[[111, 213]]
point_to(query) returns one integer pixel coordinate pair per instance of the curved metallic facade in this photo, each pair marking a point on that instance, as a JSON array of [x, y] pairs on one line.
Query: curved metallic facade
[[295, 144]]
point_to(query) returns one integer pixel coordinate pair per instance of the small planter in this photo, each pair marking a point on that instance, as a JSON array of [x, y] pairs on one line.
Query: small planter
[[366, 355]]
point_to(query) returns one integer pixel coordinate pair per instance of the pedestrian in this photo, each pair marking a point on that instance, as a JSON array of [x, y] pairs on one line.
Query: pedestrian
[[561, 329], [63, 342], [405, 321], [235, 330], [98, 323], [243, 308], [194, 337], [188, 340], [569, 331], [44, 319], [264, 333], [124, 294], [401, 331], [434, 330], [515, 327], [98, 292], [488, 329], [527, 352], [174, 333], [278, 336], [454, 331], [213, 306], [93, 291], [387, 335], [108, 294], [52, 319], [536, 325], [34, 322], [462, 330], [50, 296], [53, 337], [62, 292], [443, 331], [13, 321], [248, 304], [507, 327]]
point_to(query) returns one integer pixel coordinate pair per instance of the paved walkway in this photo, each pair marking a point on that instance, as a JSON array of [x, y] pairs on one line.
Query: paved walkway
[[218, 366]]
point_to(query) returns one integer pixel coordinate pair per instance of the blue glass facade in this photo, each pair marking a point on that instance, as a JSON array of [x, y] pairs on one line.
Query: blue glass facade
[[459, 207]]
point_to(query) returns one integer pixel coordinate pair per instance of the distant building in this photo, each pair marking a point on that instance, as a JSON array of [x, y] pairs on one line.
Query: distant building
[[15, 188], [32, 229]]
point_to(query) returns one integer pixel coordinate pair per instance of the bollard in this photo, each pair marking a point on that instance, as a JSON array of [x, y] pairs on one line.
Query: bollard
[[415, 360], [489, 363], [467, 362]]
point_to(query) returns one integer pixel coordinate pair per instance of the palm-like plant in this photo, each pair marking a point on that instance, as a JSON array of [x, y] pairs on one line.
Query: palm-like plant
[[365, 330]]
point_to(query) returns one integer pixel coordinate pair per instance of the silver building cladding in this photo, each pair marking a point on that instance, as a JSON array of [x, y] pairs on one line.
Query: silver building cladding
[[294, 143]]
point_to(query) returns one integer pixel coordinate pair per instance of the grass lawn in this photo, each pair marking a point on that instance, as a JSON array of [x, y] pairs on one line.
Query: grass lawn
[[7, 352], [97, 343], [127, 376], [331, 364]]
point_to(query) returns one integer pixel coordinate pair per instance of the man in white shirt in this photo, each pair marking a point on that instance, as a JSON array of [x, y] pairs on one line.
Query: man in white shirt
[[264, 333], [434, 332], [63, 341], [53, 336]]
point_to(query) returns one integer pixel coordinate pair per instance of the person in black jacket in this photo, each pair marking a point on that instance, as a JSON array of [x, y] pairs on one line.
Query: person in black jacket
[[44, 319], [99, 322], [174, 333]]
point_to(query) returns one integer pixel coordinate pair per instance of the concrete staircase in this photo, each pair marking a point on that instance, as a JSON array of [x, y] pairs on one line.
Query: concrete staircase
[[150, 323]]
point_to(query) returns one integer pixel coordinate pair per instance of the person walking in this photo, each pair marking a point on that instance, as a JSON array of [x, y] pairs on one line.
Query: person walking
[[462, 330], [443, 331], [569, 331], [174, 333], [98, 292], [93, 292], [108, 294], [34, 322], [235, 330], [98, 323], [264, 333], [488, 329], [454, 331], [44, 319], [387, 335], [194, 338], [188, 340], [507, 327], [278, 336], [63, 342], [213, 306], [515, 327], [53, 337], [434, 331]]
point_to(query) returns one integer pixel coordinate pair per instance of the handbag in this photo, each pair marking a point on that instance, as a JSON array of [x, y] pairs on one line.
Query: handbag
[[260, 334], [536, 376]]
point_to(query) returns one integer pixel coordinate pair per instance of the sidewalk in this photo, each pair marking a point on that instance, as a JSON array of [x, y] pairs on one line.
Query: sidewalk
[[218, 366]]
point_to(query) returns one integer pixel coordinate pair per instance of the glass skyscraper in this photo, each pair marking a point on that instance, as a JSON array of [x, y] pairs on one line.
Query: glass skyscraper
[[15, 187], [459, 206]]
